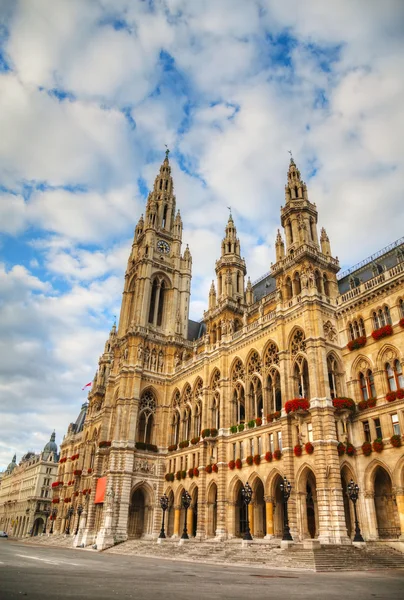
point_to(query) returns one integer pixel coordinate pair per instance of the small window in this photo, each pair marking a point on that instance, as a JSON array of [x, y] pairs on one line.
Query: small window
[[241, 451], [234, 452], [280, 440], [271, 442], [391, 380], [366, 431], [310, 432], [401, 307], [259, 445], [378, 428], [251, 447], [396, 424], [363, 386]]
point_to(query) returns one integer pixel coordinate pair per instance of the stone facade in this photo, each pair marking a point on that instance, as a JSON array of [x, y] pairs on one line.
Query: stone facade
[[26, 492], [203, 407]]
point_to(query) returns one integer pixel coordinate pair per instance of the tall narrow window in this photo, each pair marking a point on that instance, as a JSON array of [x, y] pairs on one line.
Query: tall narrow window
[[391, 380], [351, 331], [366, 431], [153, 301], [399, 372], [280, 440], [401, 307], [363, 386], [371, 384], [164, 221], [326, 285], [396, 424], [387, 316], [362, 327], [271, 442], [378, 428], [309, 432], [161, 304]]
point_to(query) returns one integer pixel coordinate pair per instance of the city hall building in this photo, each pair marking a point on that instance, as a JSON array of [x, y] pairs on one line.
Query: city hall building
[[298, 375]]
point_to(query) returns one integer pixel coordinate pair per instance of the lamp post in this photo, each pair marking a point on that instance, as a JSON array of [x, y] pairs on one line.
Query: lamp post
[[46, 512], [353, 493], [246, 495], [186, 503], [79, 511], [69, 515], [164, 506], [286, 488], [53, 518]]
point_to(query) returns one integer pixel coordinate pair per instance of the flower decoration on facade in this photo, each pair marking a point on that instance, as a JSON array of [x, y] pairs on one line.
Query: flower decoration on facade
[[89, 471], [77, 472], [168, 477], [273, 416], [297, 450], [257, 459], [172, 447], [258, 421], [215, 468], [382, 332], [251, 424], [249, 460], [364, 404], [184, 444], [344, 404], [401, 322], [190, 473], [396, 395], [209, 433], [55, 500], [350, 449], [195, 441], [367, 448], [104, 444], [208, 469], [239, 464], [268, 456], [178, 475], [395, 441], [309, 448], [341, 448], [277, 455], [232, 465], [357, 343], [378, 445], [196, 472], [297, 404]]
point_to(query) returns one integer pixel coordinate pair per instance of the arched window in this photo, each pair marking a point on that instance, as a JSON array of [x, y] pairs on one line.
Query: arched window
[[301, 376], [401, 307], [387, 316], [175, 427], [164, 221], [186, 429], [367, 385], [297, 288], [239, 400], [161, 304], [274, 391], [216, 411], [288, 286], [198, 420], [394, 373], [147, 409], [256, 393], [317, 278], [153, 301], [356, 328], [381, 317], [333, 376], [362, 329], [351, 331], [326, 285]]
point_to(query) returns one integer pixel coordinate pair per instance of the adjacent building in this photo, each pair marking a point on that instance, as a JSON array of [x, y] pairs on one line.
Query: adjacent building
[[299, 375], [26, 491]]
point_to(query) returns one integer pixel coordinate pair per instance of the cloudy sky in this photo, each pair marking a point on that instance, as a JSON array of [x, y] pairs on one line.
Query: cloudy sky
[[92, 90]]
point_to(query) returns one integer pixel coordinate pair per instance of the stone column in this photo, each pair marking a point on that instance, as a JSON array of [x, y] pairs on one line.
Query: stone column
[[190, 520], [400, 509], [177, 515], [269, 507], [371, 515], [251, 517]]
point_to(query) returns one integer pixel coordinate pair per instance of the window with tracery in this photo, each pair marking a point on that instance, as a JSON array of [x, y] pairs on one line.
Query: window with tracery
[[274, 391], [254, 364], [176, 398], [216, 411], [175, 425], [187, 394], [239, 400], [333, 376], [381, 317], [147, 409], [298, 343], [271, 356], [256, 397], [301, 376], [367, 384], [216, 379], [238, 371]]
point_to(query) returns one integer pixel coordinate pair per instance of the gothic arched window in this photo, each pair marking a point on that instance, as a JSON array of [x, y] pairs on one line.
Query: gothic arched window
[[333, 376], [394, 373], [147, 409], [161, 304], [301, 375]]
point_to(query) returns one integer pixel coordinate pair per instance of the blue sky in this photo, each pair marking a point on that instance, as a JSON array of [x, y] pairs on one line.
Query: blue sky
[[90, 93]]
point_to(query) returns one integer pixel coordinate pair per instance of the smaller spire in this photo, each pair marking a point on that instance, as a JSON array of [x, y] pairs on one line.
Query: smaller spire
[[167, 152]]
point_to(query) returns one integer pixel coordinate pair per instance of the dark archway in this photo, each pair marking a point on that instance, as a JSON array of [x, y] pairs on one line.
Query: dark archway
[[212, 511], [278, 508], [170, 515], [388, 525], [260, 521], [137, 514]]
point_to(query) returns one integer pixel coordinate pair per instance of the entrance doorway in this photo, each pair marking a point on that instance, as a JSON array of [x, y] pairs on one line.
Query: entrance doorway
[[136, 515]]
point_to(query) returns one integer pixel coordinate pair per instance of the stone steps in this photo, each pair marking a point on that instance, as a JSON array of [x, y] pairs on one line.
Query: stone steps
[[61, 541]]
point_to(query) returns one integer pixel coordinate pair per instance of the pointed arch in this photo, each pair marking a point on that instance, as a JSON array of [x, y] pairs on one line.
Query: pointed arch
[[253, 362], [387, 353], [297, 341], [237, 370], [270, 355], [370, 473], [215, 379]]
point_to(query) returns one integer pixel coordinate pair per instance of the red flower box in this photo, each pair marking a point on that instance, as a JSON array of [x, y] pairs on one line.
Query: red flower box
[[395, 441], [268, 456], [297, 404], [208, 469], [76, 494], [297, 450], [367, 448], [378, 445], [215, 468], [172, 447], [67, 500], [364, 404], [190, 473], [249, 460], [401, 322], [357, 343], [194, 440], [257, 459], [309, 448], [258, 421], [178, 475], [341, 448], [77, 472], [277, 455], [239, 464], [350, 449], [391, 396], [196, 471], [232, 465], [89, 471], [55, 500], [168, 477], [400, 394], [344, 404], [63, 460], [184, 444], [55, 484], [382, 332]]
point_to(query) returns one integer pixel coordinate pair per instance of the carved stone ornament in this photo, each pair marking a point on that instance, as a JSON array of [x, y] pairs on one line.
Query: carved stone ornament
[[330, 331]]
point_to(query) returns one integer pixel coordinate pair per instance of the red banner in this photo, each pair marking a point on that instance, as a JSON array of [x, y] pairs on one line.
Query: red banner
[[100, 490]]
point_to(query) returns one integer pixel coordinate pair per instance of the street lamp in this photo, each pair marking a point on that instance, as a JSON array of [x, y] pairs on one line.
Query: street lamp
[[79, 511], [53, 518], [69, 515], [286, 488], [353, 493], [246, 495], [46, 512], [186, 503], [164, 506]]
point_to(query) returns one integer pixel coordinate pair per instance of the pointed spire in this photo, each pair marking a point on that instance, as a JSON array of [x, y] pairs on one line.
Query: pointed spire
[[249, 296], [279, 247], [325, 242]]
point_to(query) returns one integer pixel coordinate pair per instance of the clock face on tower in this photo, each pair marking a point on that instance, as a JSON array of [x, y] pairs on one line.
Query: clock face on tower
[[163, 247]]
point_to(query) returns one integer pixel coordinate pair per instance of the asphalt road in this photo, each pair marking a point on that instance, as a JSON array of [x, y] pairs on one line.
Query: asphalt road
[[41, 573]]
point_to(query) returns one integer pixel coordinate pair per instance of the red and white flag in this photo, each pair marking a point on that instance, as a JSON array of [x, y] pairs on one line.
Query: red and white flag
[[87, 385]]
